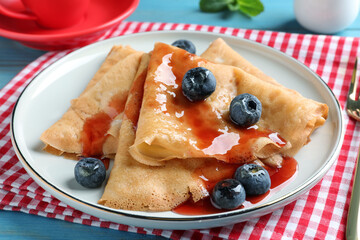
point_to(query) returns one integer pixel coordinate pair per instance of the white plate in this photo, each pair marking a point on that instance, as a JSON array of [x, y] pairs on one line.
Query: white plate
[[48, 96]]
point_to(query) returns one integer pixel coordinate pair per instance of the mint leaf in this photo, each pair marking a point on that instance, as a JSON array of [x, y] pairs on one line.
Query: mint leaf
[[214, 5], [233, 6], [250, 8]]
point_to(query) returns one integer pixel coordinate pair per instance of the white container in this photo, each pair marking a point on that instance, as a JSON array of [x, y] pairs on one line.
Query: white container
[[326, 16]]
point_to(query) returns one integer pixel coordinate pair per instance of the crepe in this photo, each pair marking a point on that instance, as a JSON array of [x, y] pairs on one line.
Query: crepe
[[220, 52], [135, 186], [171, 127], [90, 127]]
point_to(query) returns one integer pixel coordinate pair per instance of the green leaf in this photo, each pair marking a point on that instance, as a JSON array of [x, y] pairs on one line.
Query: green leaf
[[250, 8], [233, 6], [214, 5]]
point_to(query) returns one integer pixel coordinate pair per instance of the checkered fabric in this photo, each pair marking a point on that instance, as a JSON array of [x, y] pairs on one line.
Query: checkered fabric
[[318, 214]]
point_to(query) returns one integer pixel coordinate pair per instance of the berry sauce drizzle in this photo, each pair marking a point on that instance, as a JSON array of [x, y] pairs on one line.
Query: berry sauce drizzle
[[133, 104], [212, 173], [209, 129], [95, 128]]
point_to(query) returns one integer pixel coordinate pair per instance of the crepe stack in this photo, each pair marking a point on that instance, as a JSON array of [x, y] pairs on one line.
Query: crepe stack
[[135, 186], [170, 150]]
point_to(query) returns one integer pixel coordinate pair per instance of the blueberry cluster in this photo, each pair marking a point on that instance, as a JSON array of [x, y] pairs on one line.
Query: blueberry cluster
[[249, 179], [199, 83]]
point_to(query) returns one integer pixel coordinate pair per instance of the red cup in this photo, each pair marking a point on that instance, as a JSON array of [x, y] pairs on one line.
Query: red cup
[[51, 13]]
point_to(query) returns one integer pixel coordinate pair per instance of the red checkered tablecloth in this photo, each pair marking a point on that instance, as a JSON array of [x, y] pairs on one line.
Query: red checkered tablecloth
[[318, 214]]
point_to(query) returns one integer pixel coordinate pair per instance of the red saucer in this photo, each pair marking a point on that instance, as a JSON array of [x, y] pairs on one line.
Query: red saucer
[[101, 16]]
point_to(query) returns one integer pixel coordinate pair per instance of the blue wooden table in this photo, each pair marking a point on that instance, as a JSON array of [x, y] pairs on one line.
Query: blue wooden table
[[278, 16]]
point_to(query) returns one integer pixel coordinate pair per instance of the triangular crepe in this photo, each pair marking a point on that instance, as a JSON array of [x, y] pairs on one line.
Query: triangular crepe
[[91, 125], [135, 186], [220, 52], [172, 127]]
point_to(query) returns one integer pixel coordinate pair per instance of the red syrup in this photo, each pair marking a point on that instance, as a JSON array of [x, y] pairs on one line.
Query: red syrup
[[279, 177], [95, 128], [210, 132], [134, 101], [106, 162]]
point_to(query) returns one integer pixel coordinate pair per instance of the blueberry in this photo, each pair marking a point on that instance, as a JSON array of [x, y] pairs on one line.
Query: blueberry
[[245, 110], [90, 172], [198, 83], [254, 178], [185, 44], [228, 194]]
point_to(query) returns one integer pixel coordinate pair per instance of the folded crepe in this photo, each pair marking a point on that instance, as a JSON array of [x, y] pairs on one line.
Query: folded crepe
[[220, 52], [171, 127], [90, 127], [135, 186]]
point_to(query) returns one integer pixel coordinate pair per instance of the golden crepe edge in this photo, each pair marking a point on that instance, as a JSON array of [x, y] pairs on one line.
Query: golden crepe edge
[[220, 52], [64, 136]]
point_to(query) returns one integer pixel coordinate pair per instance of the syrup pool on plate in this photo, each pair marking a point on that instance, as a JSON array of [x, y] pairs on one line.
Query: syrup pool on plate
[[219, 170]]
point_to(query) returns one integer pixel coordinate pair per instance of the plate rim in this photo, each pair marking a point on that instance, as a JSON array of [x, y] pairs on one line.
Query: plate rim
[[306, 186]]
